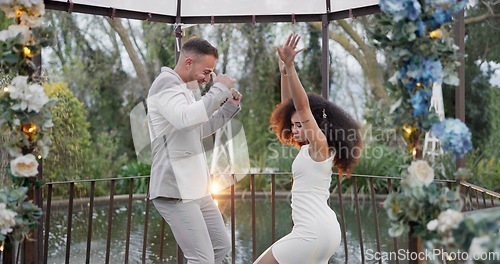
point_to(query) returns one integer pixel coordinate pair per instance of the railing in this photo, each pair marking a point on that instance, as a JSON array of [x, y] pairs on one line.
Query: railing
[[475, 197]]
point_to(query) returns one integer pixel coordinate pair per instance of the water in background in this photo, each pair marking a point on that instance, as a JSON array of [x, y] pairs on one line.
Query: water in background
[[243, 243]]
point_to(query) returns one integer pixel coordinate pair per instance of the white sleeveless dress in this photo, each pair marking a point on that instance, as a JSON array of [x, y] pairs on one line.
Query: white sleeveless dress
[[316, 232]]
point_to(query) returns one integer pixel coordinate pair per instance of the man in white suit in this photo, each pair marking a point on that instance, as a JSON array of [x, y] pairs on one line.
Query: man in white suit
[[180, 179]]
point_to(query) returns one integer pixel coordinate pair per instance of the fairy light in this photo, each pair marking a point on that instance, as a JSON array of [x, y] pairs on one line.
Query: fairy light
[[436, 33], [408, 129], [29, 129], [419, 84], [2, 246], [27, 52]]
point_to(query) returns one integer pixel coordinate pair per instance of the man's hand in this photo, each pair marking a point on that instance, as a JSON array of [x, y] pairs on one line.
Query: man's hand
[[224, 79], [236, 97]]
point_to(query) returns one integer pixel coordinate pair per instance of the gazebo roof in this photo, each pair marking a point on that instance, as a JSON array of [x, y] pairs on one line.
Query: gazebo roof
[[220, 11]]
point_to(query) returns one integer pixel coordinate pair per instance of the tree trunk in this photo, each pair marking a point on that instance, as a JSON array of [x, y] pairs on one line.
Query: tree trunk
[[365, 54], [133, 54]]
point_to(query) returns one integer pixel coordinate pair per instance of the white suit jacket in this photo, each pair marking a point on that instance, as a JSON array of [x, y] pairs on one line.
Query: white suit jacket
[[177, 125]]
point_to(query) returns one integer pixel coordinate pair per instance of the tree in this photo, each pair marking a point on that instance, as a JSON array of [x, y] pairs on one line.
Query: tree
[[482, 46], [91, 64], [70, 136]]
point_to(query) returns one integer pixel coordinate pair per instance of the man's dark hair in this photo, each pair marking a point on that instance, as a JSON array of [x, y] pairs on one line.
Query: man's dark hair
[[200, 46]]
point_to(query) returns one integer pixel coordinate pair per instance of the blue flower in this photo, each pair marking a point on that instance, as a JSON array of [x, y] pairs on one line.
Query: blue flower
[[421, 28], [440, 17], [401, 9], [454, 135], [421, 70], [432, 70], [420, 102]]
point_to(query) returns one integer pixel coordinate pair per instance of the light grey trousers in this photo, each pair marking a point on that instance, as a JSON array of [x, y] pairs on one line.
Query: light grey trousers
[[198, 228]]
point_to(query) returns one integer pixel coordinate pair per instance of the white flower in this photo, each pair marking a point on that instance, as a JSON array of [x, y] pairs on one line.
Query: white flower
[[18, 86], [449, 219], [33, 19], [7, 220], [31, 11], [32, 97], [14, 30], [24, 166], [29, 3], [420, 173], [431, 226], [37, 98]]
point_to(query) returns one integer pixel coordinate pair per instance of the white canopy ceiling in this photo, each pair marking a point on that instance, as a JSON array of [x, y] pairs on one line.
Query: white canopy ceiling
[[215, 8]]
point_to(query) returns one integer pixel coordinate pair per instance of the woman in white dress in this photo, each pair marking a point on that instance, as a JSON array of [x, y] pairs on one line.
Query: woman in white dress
[[326, 135]]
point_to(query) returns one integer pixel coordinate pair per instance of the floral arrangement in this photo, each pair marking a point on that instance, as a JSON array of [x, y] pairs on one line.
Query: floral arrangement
[[25, 117], [419, 201], [414, 33]]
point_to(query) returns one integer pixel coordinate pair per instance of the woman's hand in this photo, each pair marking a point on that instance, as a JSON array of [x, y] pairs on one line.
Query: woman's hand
[[287, 52]]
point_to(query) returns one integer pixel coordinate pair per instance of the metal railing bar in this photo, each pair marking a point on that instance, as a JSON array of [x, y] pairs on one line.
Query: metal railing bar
[[477, 199], [129, 219], [258, 173], [375, 216], [469, 193], [273, 208], [233, 224], [254, 235], [479, 188], [47, 223], [180, 256], [110, 219], [90, 219], [51, 205], [70, 221], [358, 220], [395, 239], [98, 180], [342, 219], [146, 224]]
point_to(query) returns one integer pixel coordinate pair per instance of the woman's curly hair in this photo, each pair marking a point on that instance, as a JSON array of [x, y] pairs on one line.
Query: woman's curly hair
[[341, 130]]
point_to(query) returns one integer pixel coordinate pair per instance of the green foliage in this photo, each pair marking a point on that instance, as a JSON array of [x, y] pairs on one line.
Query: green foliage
[[479, 233], [418, 204], [482, 46], [477, 90], [71, 139], [377, 159], [492, 147], [485, 170], [25, 118], [27, 214], [133, 169], [95, 75], [260, 87], [159, 39], [311, 71], [105, 161]]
